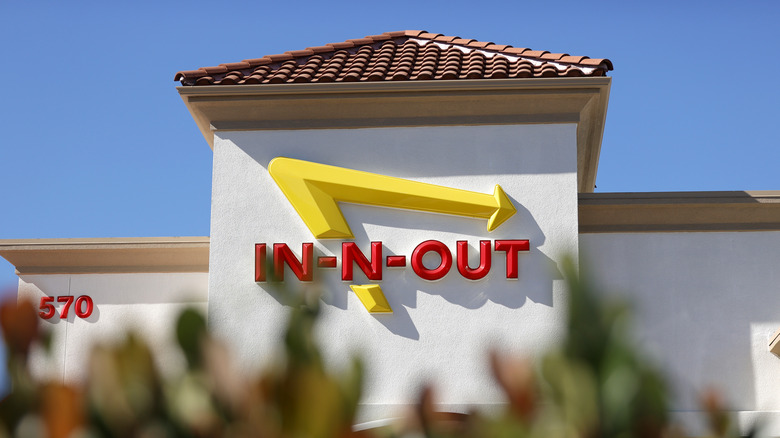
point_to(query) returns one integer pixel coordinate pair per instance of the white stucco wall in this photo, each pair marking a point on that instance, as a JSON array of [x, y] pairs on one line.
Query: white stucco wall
[[146, 303], [707, 306], [439, 331]]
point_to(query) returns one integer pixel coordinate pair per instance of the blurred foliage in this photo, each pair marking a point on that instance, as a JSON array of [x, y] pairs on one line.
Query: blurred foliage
[[596, 384]]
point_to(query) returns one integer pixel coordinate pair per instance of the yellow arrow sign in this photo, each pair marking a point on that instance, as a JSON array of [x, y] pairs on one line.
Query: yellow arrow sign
[[314, 190]]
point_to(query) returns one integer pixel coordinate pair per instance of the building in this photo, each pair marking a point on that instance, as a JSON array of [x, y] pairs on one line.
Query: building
[[424, 123]]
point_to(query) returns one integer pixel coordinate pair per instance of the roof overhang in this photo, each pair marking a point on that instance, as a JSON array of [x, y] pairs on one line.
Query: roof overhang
[[679, 212], [107, 255], [345, 105]]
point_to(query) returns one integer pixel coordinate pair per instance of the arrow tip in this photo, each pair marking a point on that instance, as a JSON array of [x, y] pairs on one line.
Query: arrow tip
[[504, 211]]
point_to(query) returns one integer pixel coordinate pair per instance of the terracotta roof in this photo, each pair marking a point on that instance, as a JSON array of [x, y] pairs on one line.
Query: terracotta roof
[[398, 56]]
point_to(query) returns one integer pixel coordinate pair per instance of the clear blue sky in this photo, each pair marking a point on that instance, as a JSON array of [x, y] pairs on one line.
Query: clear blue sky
[[97, 143]]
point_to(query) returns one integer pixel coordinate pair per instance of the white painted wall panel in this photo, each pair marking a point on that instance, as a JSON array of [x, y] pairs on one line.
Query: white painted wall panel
[[439, 331], [707, 305]]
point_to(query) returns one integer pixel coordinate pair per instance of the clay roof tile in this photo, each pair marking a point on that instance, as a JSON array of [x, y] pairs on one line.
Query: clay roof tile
[[480, 44], [215, 70], [236, 65], [360, 41], [497, 47], [344, 45], [461, 41], [189, 74], [258, 61], [320, 49], [572, 59], [279, 57], [300, 53], [445, 39], [535, 53], [515, 50], [381, 37], [597, 62], [554, 56]]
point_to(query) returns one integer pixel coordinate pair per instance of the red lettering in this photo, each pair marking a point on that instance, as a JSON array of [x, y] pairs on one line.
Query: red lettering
[[48, 311], [327, 262], [396, 261], [372, 267], [259, 261], [351, 253], [80, 311], [302, 269], [68, 300], [512, 247], [463, 260], [438, 272]]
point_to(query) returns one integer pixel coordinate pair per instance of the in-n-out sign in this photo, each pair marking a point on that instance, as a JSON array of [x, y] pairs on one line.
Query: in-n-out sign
[[372, 266], [315, 190]]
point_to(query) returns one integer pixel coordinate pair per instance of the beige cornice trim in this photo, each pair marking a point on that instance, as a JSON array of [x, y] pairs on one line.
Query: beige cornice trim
[[107, 255], [679, 211], [410, 103]]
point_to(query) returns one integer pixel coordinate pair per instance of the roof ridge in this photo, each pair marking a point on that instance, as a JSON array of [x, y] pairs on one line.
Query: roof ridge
[[543, 56]]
